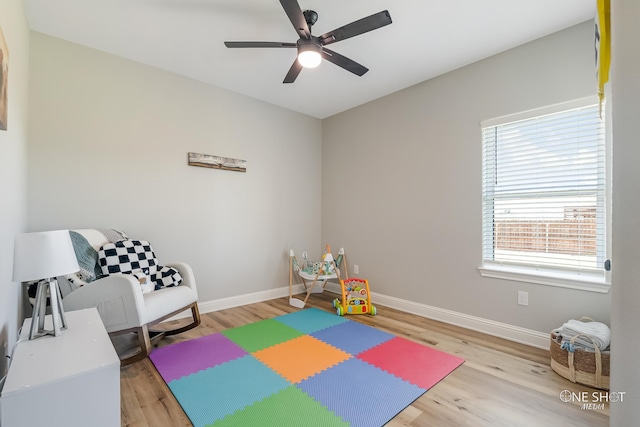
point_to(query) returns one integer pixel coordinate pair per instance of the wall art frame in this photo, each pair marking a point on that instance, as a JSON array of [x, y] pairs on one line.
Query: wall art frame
[[216, 162]]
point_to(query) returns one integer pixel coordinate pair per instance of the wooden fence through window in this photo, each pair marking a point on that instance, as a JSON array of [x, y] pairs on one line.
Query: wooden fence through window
[[567, 236]]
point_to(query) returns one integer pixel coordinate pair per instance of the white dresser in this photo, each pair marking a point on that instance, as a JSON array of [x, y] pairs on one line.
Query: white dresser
[[69, 380]]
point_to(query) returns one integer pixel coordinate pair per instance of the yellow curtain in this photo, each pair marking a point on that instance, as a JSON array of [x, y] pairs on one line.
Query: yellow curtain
[[603, 45]]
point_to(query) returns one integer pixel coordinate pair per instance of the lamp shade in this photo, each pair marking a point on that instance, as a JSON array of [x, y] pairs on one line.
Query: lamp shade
[[43, 255], [309, 59], [309, 53]]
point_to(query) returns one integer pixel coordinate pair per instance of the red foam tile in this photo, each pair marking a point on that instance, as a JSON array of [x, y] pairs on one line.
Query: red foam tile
[[420, 365]]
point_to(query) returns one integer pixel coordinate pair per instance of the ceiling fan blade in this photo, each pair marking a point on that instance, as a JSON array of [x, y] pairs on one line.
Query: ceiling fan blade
[[293, 72], [344, 62], [293, 11], [259, 44], [358, 27]]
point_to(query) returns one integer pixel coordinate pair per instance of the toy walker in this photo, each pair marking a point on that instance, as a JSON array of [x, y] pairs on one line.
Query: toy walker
[[356, 298]]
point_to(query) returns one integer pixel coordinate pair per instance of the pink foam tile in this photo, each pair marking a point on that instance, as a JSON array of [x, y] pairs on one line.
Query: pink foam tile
[[184, 358], [415, 363]]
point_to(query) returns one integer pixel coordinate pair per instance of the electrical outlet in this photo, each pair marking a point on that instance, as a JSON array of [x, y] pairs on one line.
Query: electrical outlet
[[523, 298], [356, 269]]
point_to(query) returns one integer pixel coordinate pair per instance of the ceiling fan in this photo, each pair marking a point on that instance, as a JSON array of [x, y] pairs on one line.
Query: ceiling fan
[[311, 49]]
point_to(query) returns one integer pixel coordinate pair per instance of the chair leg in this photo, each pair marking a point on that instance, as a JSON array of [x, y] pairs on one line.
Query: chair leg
[[195, 314], [144, 340], [142, 335]]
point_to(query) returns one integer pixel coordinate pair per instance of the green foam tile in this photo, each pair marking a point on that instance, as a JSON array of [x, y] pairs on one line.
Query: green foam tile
[[290, 407], [263, 334]]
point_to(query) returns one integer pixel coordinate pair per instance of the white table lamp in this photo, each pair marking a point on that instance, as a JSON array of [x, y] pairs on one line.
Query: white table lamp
[[44, 256]]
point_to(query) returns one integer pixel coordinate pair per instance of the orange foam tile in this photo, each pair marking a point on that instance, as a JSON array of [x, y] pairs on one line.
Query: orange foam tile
[[301, 358]]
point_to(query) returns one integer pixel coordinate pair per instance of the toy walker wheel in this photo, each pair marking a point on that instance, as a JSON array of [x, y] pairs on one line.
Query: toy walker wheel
[[340, 311], [335, 303], [373, 310]]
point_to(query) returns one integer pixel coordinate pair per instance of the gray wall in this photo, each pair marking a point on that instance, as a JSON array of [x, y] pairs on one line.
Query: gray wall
[[108, 149], [625, 316], [401, 180], [13, 169]]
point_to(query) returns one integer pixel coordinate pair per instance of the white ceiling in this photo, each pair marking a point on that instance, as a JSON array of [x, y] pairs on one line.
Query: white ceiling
[[427, 38]]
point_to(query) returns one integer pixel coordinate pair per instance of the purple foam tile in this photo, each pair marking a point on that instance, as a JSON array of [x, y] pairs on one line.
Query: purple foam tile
[[184, 358]]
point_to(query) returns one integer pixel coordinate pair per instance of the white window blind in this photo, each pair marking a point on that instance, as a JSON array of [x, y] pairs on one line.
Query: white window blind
[[544, 192]]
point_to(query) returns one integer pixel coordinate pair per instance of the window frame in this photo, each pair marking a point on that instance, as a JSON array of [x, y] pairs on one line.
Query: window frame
[[596, 282]]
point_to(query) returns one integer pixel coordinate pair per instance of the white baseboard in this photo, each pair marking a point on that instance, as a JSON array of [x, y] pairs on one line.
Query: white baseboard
[[502, 330], [236, 301], [479, 324]]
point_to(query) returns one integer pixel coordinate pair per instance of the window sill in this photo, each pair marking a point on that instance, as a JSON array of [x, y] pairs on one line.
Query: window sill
[[591, 283]]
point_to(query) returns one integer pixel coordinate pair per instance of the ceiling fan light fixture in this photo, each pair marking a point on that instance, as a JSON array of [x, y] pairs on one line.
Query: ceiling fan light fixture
[[309, 55], [311, 49]]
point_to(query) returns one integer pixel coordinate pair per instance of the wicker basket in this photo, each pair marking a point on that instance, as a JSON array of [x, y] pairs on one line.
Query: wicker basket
[[582, 367]]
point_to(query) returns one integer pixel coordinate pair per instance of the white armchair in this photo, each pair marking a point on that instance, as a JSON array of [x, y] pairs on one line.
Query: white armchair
[[120, 300]]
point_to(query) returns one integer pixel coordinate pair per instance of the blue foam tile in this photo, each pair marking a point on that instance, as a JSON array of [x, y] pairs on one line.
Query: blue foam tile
[[310, 320], [352, 337], [212, 394], [361, 394]]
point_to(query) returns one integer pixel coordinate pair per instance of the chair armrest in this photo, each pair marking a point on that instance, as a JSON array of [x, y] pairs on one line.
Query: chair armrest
[[117, 297], [188, 279]]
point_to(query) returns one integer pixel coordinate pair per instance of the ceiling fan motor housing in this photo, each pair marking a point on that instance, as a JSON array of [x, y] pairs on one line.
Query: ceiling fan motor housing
[[311, 16], [312, 44]]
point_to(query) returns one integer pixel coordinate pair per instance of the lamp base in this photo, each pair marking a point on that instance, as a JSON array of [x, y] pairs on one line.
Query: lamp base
[[40, 309]]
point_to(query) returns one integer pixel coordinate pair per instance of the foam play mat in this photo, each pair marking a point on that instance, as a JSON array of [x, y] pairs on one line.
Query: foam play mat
[[308, 368]]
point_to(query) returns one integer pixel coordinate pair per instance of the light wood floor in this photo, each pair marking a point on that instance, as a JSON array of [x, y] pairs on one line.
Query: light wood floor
[[501, 383]]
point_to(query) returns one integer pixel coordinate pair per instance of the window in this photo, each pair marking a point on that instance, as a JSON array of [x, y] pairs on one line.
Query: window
[[545, 197]]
